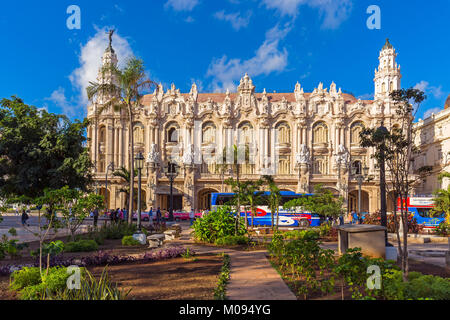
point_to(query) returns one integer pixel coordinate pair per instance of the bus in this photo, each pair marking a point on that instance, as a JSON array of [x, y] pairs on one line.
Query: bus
[[420, 209], [287, 218]]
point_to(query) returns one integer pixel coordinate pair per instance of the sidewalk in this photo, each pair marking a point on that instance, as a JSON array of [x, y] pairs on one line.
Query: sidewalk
[[252, 276]]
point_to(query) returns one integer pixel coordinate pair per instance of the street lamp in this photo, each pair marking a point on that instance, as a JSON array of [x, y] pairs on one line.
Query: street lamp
[[380, 135], [360, 177], [110, 167], [139, 165], [171, 172]]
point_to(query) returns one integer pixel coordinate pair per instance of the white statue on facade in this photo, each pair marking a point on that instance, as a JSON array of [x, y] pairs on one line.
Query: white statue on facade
[[188, 156], [303, 157], [342, 156], [153, 155]]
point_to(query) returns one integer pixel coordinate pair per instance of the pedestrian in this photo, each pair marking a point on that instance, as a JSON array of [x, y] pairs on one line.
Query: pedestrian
[[125, 214], [95, 218], [158, 215], [25, 218], [341, 220], [119, 215], [111, 215], [191, 217], [150, 215]]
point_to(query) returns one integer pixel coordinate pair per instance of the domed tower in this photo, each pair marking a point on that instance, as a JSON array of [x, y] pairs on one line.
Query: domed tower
[[447, 103], [388, 76]]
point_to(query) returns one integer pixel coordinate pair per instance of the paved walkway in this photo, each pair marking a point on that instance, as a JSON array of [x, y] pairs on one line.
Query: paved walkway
[[252, 277]]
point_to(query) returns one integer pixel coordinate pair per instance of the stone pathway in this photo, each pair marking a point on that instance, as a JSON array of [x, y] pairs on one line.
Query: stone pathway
[[252, 276]]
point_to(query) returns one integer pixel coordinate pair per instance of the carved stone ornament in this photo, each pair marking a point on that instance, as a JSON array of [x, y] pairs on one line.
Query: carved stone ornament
[[153, 155], [304, 156]]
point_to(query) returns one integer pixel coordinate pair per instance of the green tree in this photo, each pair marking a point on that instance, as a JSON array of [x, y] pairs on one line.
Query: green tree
[[442, 203], [274, 199], [252, 196], [125, 175], [323, 203], [124, 95], [396, 148], [40, 150]]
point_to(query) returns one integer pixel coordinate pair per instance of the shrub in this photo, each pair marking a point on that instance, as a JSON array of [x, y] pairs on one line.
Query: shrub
[[81, 246], [11, 247], [443, 229], [302, 234], [220, 291], [32, 286], [232, 241], [115, 231], [130, 241], [375, 219], [218, 224], [92, 289]]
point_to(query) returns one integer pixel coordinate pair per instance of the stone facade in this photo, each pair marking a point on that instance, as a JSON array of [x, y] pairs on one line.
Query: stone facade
[[432, 136], [301, 138]]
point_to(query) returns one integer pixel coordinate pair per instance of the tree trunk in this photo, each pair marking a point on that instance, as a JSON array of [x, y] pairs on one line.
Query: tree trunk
[[131, 164]]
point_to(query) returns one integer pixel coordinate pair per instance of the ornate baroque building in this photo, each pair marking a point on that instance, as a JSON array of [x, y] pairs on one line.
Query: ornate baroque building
[[302, 138], [433, 139]]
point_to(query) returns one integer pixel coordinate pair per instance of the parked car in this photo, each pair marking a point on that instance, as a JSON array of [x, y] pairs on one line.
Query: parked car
[[145, 216], [182, 215]]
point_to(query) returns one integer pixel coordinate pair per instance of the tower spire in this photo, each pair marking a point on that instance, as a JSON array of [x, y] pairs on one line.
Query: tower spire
[[387, 76]]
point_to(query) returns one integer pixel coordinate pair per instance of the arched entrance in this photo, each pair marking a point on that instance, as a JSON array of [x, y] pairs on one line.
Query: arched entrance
[[204, 199], [353, 201]]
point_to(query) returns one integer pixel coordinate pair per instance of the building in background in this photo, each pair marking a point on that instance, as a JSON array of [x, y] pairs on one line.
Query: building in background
[[433, 140], [301, 138]]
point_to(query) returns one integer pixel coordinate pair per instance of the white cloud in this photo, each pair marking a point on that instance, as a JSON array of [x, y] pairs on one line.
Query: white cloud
[[91, 59], [268, 58], [425, 87], [429, 112], [237, 21], [58, 97], [182, 5], [334, 12]]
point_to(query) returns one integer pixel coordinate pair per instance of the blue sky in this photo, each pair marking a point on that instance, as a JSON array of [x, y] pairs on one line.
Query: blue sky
[[214, 42]]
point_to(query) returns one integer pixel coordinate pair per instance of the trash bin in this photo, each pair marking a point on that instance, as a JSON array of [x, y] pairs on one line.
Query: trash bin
[[370, 238]]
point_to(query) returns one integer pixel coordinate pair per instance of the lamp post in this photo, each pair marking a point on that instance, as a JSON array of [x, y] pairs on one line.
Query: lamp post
[[381, 134], [171, 172], [110, 167], [360, 177], [139, 165]]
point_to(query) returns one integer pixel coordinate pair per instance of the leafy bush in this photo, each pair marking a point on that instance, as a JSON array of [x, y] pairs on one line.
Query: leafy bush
[[32, 286], [52, 248], [218, 224], [92, 289], [305, 261], [11, 247], [443, 229], [419, 286], [81, 246], [302, 234], [220, 291], [232, 241], [375, 219], [115, 231], [130, 241]]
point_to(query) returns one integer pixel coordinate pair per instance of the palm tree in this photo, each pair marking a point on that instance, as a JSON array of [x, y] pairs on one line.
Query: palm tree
[[125, 175], [124, 95], [252, 196], [274, 198]]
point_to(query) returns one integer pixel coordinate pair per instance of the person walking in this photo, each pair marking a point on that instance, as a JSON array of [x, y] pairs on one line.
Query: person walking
[[25, 218], [150, 215], [191, 217], [95, 217], [125, 214], [158, 215]]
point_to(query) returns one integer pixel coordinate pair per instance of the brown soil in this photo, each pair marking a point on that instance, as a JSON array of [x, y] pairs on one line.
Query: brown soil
[[174, 279], [426, 268]]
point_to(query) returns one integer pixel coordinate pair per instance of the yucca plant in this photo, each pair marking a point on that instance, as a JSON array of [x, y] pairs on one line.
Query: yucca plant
[[93, 289]]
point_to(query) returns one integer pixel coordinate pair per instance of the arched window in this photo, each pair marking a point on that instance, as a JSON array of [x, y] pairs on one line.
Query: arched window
[[284, 164], [172, 132], [138, 133], [102, 135], [209, 133], [320, 165], [357, 167], [284, 133], [383, 87], [320, 133], [355, 131]]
